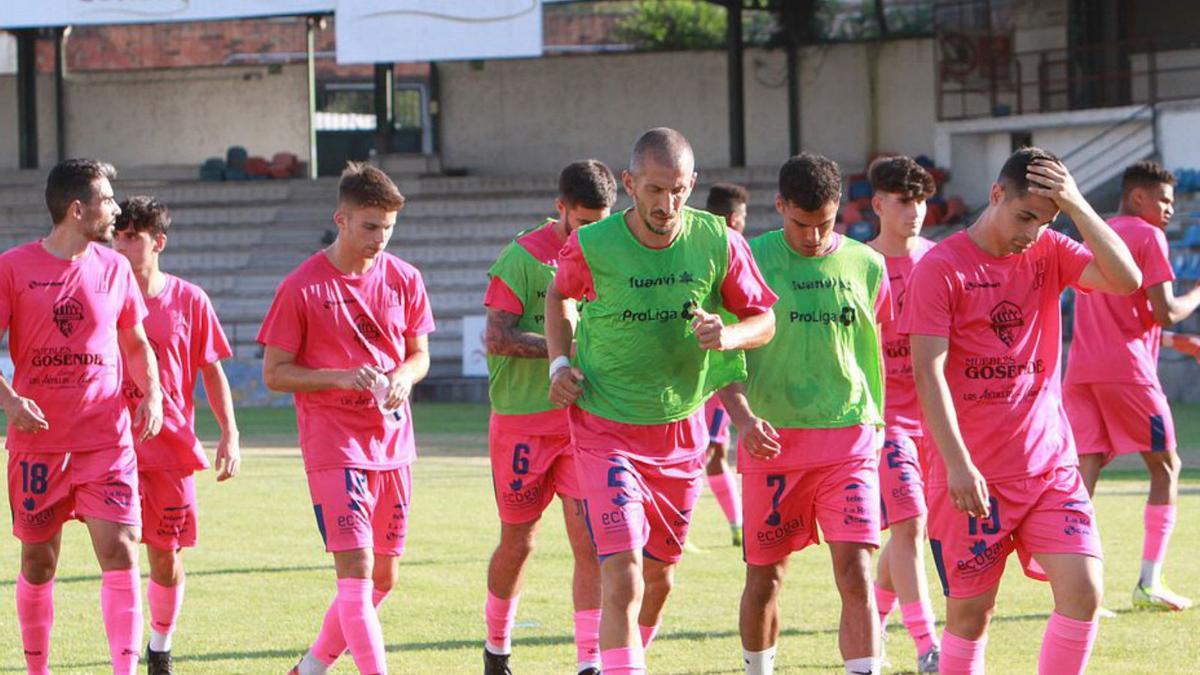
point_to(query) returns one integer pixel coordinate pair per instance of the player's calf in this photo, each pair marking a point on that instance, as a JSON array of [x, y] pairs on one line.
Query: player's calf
[[858, 635]]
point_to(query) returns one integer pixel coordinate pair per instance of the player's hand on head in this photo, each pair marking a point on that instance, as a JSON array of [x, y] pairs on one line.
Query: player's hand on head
[[26, 416], [1048, 178], [709, 330], [968, 490], [760, 439], [566, 386], [229, 459], [148, 418]]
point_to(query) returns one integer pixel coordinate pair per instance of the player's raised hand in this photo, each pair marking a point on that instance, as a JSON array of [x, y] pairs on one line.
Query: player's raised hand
[[566, 386], [229, 458], [968, 490], [357, 379], [26, 416], [760, 439], [1048, 178], [709, 330], [148, 418]]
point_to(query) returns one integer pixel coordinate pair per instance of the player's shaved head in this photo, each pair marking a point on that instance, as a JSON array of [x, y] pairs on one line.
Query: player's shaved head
[[663, 147]]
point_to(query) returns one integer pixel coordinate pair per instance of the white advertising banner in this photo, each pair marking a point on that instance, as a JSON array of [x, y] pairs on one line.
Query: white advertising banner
[[474, 353], [388, 31], [38, 13]]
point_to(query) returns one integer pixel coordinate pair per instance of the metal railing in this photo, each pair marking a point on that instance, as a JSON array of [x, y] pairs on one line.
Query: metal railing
[[978, 75]]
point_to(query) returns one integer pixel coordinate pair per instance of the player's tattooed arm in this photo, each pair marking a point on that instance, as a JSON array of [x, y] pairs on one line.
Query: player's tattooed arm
[[968, 489], [504, 338]]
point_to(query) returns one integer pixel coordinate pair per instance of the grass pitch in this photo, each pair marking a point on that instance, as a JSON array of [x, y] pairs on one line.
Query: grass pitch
[[259, 582]]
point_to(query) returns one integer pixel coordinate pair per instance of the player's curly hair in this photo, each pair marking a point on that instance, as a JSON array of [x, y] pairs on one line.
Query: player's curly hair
[[144, 214], [810, 181], [366, 185], [723, 198], [902, 176], [1145, 174]]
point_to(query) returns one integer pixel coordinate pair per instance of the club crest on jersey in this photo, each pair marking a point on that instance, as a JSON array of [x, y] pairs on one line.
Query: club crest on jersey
[[366, 327], [67, 315], [1006, 318]]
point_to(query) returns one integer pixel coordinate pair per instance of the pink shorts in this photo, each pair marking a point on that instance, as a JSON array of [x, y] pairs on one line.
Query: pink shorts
[[1119, 419], [1050, 513], [784, 510], [633, 505], [717, 420], [528, 470], [361, 508], [47, 489], [168, 508], [901, 479]]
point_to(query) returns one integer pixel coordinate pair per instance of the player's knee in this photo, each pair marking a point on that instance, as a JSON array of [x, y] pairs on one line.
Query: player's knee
[[659, 582], [517, 540], [911, 530], [621, 580], [38, 564], [118, 552], [852, 571], [970, 622], [1164, 466], [763, 582]]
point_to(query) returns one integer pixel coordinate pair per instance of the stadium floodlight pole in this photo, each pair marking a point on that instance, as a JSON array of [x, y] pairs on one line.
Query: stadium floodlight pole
[[311, 26]]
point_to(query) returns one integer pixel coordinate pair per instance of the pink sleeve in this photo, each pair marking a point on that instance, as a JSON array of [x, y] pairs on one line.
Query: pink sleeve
[[573, 278], [6, 299], [744, 292], [418, 315], [208, 340], [500, 296], [930, 297], [1072, 256], [884, 306], [285, 324], [1155, 260], [134, 308]]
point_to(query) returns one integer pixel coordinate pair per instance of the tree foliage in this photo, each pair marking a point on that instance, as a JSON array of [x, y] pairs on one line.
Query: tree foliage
[[673, 25]]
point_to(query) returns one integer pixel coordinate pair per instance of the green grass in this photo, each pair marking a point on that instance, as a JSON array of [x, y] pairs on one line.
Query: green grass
[[259, 582]]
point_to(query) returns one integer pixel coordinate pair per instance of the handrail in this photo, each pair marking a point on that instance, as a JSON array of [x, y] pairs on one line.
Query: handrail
[[1113, 127]]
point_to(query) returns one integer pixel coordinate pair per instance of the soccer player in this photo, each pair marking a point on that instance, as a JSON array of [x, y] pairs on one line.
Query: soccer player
[[810, 414], [727, 200], [1111, 392], [530, 443], [75, 315], [985, 339], [901, 187], [347, 335], [650, 351], [187, 340]]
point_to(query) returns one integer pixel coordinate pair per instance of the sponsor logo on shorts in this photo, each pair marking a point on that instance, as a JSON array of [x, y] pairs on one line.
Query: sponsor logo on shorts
[[117, 494], [982, 558], [779, 531], [32, 518], [522, 497], [846, 317], [68, 313], [1077, 524], [1007, 320]]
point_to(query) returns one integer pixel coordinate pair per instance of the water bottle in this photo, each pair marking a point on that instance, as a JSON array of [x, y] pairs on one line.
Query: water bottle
[[393, 417]]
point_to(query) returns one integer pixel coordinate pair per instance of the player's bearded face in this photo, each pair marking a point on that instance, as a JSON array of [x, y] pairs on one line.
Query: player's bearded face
[[659, 194], [100, 214], [575, 217]]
